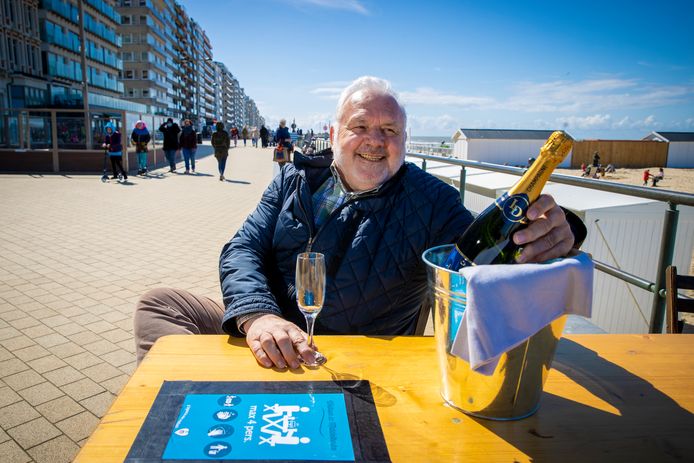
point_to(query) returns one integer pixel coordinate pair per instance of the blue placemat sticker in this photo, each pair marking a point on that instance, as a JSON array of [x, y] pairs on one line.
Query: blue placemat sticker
[[261, 427]]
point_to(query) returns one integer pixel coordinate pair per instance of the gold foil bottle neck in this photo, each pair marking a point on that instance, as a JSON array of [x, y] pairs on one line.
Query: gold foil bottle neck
[[557, 146]]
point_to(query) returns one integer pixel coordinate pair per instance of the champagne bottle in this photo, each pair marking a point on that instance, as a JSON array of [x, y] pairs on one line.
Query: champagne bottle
[[488, 240]]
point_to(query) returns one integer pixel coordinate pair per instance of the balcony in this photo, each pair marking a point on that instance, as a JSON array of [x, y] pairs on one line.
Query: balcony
[[102, 31], [55, 35], [61, 8], [56, 67], [104, 80], [105, 9]]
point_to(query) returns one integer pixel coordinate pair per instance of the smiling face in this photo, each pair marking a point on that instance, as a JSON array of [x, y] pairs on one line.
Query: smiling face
[[370, 144]]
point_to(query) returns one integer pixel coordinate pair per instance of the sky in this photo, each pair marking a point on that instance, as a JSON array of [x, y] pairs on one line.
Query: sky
[[607, 69]]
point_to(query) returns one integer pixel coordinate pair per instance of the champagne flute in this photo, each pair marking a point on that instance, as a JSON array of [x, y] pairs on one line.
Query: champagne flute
[[310, 293]]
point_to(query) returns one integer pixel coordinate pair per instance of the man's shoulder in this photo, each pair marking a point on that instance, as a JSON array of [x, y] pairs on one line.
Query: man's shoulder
[[423, 183]]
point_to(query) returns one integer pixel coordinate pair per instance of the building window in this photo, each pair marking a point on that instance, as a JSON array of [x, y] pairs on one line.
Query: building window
[[127, 38], [145, 74], [145, 92], [125, 19], [128, 73]]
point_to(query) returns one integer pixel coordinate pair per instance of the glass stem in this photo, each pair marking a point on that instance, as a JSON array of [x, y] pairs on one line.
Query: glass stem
[[310, 320]]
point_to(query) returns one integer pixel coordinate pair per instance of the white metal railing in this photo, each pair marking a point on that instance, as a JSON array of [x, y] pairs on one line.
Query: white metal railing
[[434, 149]]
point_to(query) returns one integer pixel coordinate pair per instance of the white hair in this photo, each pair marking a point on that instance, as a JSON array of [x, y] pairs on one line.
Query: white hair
[[369, 84]]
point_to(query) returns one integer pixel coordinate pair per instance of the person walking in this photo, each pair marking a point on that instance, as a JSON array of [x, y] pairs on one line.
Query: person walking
[[114, 146], [264, 135], [596, 159], [189, 145], [140, 137], [244, 135], [284, 141], [254, 137], [235, 135], [170, 130], [220, 143]]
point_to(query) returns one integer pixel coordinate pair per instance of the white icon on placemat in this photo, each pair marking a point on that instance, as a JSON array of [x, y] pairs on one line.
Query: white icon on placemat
[[182, 432], [281, 425], [217, 449], [223, 415]]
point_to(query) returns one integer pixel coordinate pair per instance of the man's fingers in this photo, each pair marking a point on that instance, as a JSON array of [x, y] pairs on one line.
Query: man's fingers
[[556, 243], [541, 205], [259, 354], [300, 341], [286, 344], [541, 226], [267, 341]]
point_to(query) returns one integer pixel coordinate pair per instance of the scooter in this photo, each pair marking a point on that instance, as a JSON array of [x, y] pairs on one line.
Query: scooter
[[104, 176]]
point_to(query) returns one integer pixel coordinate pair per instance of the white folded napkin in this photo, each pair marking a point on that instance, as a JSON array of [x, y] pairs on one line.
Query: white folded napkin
[[506, 304]]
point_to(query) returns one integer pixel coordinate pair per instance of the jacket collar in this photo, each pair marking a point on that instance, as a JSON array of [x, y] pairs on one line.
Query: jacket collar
[[311, 165]]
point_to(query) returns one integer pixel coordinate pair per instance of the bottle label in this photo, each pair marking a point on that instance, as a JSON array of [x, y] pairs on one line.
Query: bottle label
[[513, 207]]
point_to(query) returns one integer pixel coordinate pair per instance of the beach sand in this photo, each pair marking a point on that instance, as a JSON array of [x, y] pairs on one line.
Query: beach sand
[[681, 180]]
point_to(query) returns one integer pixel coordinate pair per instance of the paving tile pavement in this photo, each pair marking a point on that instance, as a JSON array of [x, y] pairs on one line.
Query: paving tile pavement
[[75, 255]]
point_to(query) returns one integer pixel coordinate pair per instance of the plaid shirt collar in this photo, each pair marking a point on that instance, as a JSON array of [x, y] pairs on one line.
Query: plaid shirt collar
[[332, 194]]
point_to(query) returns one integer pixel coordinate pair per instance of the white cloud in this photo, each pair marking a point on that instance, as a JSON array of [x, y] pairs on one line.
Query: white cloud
[[648, 122], [606, 122], [347, 5], [562, 96], [594, 95], [327, 93], [426, 125], [430, 96], [329, 90], [596, 121]]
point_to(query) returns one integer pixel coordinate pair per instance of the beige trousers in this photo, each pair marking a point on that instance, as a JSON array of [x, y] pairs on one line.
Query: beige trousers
[[164, 311]]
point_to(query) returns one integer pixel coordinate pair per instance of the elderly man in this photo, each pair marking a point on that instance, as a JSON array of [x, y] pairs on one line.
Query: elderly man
[[369, 212]]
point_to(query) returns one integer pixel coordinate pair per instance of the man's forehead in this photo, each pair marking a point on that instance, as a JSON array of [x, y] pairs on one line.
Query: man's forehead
[[363, 104]]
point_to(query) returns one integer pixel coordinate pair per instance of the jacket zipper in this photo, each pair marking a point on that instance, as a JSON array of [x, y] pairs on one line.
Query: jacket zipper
[[312, 237]]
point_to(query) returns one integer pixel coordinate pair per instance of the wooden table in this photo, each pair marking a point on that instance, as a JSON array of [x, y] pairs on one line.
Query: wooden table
[[607, 398]]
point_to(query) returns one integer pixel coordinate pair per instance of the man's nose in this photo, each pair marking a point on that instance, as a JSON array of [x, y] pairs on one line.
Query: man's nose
[[375, 136]]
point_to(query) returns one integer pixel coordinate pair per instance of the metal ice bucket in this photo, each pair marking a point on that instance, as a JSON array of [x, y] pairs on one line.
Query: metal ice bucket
[[513, 391]]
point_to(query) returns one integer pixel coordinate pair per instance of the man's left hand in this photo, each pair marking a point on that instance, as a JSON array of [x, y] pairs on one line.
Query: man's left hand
[[547, 236]]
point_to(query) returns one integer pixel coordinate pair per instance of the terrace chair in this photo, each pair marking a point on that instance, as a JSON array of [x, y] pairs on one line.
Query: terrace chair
[[423, 317], [675, 303]]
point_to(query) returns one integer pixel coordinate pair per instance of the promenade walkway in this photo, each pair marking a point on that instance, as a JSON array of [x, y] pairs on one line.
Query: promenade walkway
[[75, 254]]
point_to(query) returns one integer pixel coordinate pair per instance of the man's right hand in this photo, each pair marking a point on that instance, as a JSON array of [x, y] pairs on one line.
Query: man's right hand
[[275, 341]]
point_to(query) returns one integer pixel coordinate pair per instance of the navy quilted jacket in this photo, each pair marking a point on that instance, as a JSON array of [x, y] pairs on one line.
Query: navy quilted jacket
[[376, 280]]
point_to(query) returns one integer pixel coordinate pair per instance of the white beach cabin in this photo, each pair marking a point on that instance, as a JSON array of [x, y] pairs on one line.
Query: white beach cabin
[[506, 147], [680, 152]]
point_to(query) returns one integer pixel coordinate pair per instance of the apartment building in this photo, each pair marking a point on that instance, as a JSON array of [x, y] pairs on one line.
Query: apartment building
[[201, 53], [252, 116], [48, 47], [147, 30], [20, 54], [146, 56]]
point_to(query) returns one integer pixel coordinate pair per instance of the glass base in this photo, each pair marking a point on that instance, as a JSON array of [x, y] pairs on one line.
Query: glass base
[[320, 360]]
